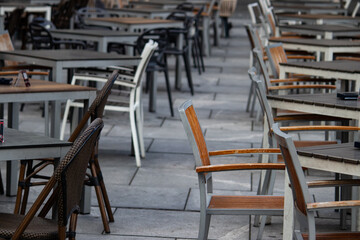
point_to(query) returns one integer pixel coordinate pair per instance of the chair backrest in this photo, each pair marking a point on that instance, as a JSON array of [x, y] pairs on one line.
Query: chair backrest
[[261, 95], [262, 68], [255, 13], [67, 181], [70, 173], [148, 51], [299, 187], [276, 55], [96, 109], [44, 22], [88, 12], [40, 37], [161, 36], [194, 133]]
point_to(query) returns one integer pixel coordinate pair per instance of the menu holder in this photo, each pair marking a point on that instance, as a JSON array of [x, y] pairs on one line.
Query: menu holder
[[357, 144], [348, 95], [21, 76]]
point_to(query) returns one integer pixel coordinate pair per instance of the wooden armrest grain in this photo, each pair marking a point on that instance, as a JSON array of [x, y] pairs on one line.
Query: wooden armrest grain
[[301, 86], [240, 166], [335, 205], [301, 80], [333, 183], [242, 151], [309, 117], [319, 128], [348, 58]]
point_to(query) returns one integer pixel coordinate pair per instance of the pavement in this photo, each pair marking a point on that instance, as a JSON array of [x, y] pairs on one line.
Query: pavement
[[160, 200]]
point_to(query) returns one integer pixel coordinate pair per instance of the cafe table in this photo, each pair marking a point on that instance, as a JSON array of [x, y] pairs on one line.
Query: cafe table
[[20, 145], [102, 37], [344, 70], [338, 158], [62, 59], [326, 46], [326, 31], [319, 18], [42, 91]]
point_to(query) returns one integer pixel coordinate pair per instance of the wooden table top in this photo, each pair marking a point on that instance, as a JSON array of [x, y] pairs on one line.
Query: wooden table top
[[38, 86], [326, 99], [19, 139], [132, 20], [336, 65], [318, 42], [323, 28], [345, 152], [68, 55], [95, 32]]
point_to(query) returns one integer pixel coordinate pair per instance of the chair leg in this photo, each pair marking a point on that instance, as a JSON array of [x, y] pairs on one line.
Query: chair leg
[[1, 185], [139, 123], [20, 187], [99, 196], [168, 88], [204, 226], [135, 137], [199, 44], [103, 190], [195, 53], [261, 228], [188, 72], [65, 117]]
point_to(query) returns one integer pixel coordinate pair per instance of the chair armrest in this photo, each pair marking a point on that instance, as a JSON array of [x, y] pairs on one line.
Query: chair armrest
[[125, 83], [309, 117], [333, 205], [319, 128], [240, 166], [25, 66], [121, 68], [285, 87], [290, 80], [28, 72], [333, 183], [348, 58], [300, 57], [242, 151]]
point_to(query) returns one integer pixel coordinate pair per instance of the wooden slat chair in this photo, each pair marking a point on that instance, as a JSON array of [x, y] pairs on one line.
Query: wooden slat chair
[[64, 188], [122, 100], [211, 203], [272, 84], [32, 175], [304, 205]]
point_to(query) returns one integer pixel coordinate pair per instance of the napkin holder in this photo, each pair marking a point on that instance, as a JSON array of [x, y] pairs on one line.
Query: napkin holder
[[357, 144]]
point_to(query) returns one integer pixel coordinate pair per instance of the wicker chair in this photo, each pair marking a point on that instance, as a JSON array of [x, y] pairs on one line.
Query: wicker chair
[[66, 186], [31, 175]]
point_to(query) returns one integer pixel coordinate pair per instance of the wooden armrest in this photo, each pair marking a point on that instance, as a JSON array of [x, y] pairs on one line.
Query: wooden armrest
[[240, 166], [285, 87], [333, 183], [25, 66], [335, 205], [301, 80], [120, 68], [348, 58], [309, 117], [319, 128], [241, 151], [300, 57]]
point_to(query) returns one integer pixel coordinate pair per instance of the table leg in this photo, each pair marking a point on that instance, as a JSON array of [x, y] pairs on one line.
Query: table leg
[[152, 81], [205, 36], [102, 46], [12, 166], [55, 119], [178, 66]]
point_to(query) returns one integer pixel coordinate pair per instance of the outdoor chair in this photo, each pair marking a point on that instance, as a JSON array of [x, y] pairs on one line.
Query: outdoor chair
[[122, 100], [32, 174], [226, 9], [41, 38], [304, 206], [64, 189], [185, 6], [211, 203], [275, 84]]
